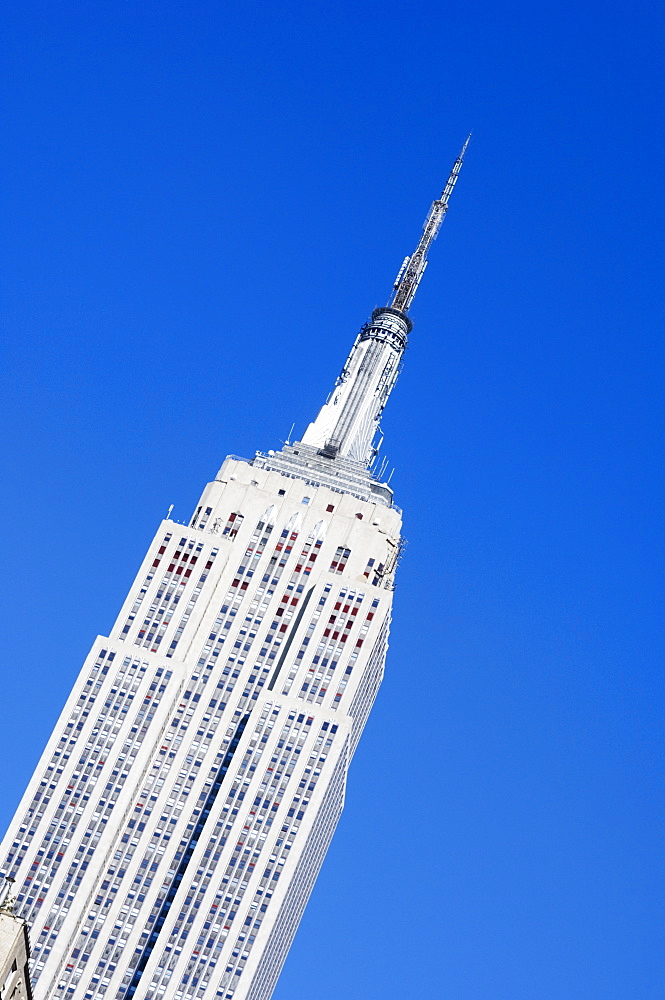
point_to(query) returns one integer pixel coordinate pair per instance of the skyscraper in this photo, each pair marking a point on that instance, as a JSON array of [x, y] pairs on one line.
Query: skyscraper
[[172, 832]]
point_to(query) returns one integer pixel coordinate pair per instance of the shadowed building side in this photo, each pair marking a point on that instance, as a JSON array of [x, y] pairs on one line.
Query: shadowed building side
[[14, 950]]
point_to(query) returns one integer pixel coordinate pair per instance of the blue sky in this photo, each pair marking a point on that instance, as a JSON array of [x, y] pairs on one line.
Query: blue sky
[[202, 204]]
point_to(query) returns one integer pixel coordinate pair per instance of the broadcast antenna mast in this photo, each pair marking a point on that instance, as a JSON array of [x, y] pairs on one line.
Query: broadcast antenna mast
[[413, 268]]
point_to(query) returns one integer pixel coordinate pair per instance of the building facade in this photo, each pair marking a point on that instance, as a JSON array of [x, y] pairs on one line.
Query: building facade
[[175, 825]]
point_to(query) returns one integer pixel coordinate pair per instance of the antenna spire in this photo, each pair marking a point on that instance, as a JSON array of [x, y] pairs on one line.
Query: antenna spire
[[413, 268]]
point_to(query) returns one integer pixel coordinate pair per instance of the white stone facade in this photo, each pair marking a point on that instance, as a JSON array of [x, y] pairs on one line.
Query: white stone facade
[[175, 825]]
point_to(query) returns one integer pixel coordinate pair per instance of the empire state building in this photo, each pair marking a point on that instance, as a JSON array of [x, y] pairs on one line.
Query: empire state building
[[173, 829]]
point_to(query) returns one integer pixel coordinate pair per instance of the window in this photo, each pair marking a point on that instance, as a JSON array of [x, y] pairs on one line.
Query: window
[[232, 525], [339, 562]]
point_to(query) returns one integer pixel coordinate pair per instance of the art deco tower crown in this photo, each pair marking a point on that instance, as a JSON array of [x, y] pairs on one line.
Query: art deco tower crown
[[348, 422]]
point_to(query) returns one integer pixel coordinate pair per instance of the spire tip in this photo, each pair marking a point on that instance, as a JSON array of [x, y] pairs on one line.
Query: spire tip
[[412, 269]]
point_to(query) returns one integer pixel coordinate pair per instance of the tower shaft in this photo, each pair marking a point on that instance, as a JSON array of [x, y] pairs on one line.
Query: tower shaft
[[173, 829]]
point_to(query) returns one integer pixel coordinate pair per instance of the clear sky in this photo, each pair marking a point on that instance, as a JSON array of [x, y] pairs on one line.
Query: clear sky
[[202, 202]]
